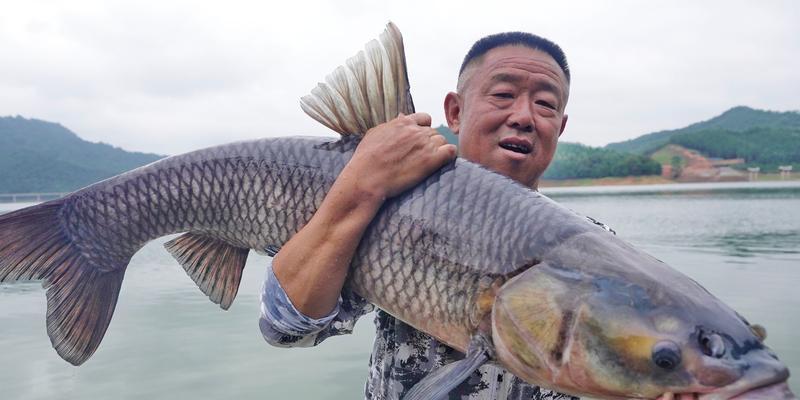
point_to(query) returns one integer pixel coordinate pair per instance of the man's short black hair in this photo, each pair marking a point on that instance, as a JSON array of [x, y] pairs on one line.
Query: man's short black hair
[[526, 39]]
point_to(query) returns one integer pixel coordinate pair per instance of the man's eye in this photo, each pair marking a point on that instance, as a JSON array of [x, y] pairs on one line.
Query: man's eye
[[546, 104], [503, 95]]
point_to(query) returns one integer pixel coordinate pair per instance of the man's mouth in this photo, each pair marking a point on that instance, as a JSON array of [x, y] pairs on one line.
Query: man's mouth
[[516, 145]]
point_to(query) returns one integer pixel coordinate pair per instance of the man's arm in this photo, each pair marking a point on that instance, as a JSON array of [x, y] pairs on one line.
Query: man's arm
[[312, 266], [283, 326]]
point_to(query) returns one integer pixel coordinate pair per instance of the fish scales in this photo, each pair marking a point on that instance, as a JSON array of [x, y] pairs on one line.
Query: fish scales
[[248, 194], [257, 194], [429, 253]]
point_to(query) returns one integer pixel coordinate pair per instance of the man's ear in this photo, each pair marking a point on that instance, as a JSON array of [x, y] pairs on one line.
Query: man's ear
[[563, 124], [452, 111]]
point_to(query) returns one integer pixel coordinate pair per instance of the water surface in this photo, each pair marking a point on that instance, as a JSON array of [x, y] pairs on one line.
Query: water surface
[[742, 242]]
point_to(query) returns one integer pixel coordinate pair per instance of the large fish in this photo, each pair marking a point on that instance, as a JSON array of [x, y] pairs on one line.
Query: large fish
[[485, 265]]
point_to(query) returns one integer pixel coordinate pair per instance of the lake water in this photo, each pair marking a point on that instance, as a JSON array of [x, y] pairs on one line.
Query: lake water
[[741, 241]]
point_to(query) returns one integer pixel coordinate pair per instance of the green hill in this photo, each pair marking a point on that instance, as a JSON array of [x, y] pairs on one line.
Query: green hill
[[40, 156], [766, 146], [575, 160], [737, 119]]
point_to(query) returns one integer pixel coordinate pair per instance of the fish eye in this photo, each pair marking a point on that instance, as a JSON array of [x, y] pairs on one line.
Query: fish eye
[[666, 355]]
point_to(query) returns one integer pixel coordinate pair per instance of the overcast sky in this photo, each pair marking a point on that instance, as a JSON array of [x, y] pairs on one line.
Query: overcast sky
[[172, 76]]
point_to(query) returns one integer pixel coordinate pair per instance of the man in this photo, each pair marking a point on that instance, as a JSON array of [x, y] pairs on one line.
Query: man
[[508, 113]]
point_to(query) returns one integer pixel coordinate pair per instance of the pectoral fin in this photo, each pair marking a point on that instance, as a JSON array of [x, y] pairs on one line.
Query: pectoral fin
[[440, 382], [214, 265]]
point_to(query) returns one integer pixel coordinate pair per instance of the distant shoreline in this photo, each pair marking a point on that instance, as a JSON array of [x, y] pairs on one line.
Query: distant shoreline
[[6, 198], [646, 180]]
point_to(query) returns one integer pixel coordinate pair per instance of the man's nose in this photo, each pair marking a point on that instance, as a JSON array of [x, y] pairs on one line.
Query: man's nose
[[521, 117]]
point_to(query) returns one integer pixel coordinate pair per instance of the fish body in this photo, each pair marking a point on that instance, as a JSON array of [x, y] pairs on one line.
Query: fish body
[[464, 247], [250, 194], [467, 255]]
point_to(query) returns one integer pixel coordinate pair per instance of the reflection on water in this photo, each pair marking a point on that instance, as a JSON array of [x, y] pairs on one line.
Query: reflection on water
[[736, 220], [168, 340], [20, 287], [754, 244]]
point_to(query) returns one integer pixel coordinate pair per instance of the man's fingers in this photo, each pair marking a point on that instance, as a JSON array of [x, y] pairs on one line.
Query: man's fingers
[[438, 139], [446, 153], [421, 118]]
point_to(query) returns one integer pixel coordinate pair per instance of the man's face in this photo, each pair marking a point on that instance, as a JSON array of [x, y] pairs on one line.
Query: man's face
[[510, 112]]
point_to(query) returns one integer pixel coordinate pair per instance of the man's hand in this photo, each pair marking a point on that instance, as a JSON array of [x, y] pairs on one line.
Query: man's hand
[[392, 157], [397, 155]]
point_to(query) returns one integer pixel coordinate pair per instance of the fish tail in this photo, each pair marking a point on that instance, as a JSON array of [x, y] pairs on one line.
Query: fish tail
[[370, 89], [80, 298]]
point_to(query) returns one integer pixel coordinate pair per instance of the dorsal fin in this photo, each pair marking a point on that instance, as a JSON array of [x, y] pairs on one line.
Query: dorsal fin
[[369, 90]]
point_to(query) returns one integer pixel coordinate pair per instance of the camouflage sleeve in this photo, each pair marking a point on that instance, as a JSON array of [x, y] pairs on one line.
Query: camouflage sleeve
[[283, 325]]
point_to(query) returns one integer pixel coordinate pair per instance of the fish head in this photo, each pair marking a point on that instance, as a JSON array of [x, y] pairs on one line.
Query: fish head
[[610, 336]]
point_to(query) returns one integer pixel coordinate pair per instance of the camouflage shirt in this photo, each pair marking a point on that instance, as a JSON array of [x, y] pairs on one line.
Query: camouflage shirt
[[401, 355]]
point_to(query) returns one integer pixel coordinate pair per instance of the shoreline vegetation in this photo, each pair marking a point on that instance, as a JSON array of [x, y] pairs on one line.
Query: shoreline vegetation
[[650, 180]]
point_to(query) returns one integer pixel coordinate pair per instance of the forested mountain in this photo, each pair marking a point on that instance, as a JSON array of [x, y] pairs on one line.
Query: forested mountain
[[766, 147], [737, 119], [574, 160], [40, 156]]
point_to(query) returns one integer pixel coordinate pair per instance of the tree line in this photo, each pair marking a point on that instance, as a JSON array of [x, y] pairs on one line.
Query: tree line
[[577, 161], [765, 146], [737, 119]]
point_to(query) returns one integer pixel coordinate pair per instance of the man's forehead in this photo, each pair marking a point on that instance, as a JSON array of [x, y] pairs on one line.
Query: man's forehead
[[501, 62]]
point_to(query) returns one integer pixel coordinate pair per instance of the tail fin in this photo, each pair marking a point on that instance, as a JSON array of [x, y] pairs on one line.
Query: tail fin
[[370, 90], [80, 298]]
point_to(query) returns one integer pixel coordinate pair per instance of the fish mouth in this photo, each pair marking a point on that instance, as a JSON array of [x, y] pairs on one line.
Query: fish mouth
[[773, 391], [770, 391], [517, 145], [777, 391], [765, 378], [769, 381]]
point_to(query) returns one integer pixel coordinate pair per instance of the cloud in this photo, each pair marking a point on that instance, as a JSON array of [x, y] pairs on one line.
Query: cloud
[[175, 76]]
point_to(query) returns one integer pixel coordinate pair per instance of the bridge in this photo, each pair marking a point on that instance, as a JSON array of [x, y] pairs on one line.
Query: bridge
[[29, 197]]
